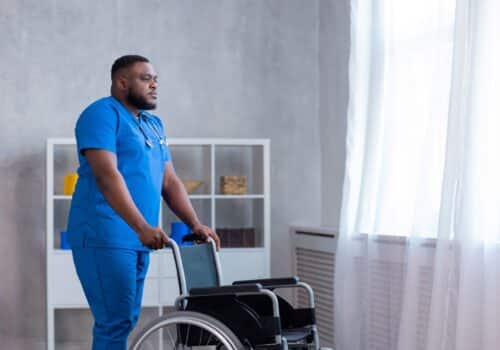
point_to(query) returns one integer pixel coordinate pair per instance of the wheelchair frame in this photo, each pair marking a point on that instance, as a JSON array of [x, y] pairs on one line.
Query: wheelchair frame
[[262, 287]]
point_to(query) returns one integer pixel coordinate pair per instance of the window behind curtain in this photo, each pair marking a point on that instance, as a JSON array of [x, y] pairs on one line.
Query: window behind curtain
[[408, 117]]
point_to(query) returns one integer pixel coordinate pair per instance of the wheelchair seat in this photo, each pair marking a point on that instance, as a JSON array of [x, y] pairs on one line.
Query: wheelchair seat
[[247, 314]]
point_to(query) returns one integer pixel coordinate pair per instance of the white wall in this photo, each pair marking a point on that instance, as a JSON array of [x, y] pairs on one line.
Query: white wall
[[333, 98]]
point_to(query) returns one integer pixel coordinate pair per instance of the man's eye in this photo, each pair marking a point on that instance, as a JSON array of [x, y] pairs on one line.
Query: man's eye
[[149, 78]]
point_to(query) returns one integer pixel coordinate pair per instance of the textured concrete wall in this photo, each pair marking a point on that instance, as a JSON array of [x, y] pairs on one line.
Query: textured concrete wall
[[333, 98], [246, 68]]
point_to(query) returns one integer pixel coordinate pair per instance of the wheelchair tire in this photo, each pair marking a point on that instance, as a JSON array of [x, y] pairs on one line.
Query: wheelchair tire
[[209, 330]]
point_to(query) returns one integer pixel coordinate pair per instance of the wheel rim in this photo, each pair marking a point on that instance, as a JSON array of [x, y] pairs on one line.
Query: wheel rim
[[185, 333]]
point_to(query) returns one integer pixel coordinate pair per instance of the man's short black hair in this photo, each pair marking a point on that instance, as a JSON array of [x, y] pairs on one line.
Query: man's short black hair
[[126, 61]]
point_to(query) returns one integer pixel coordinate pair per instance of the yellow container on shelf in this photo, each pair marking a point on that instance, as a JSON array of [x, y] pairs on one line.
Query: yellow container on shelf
[[70, 183]]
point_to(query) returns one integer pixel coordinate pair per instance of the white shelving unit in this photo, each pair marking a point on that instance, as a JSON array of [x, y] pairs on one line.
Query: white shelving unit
[[196, 159]]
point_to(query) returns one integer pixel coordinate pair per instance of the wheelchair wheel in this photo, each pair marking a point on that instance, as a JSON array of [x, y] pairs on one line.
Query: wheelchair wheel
[[186, 330]]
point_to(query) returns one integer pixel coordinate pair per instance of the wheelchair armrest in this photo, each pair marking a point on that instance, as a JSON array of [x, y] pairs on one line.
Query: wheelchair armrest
[[225, 290], [287, 282], [271, 282]]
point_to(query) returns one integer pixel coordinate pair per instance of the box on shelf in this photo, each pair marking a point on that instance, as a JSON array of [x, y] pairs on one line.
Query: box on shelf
[[236, 237], [233, 184]]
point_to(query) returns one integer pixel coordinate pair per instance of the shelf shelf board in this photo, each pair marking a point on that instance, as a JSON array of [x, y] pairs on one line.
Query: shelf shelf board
[[192, 196], [184, 141], [200, 196], [240, 250], [61, 197], [223, 250], [58, 251], [239, 196]]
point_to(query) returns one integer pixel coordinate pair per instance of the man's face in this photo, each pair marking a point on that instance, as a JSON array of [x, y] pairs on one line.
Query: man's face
[[142, 86]]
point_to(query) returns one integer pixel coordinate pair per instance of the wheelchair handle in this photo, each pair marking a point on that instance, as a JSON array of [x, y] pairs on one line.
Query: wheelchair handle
[[178, 259], [190, 237]]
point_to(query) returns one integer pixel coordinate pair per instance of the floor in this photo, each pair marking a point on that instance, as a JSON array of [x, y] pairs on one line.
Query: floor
[[30, 344]]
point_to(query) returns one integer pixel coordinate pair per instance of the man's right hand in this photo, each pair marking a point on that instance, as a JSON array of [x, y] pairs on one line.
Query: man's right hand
[[153, 237]]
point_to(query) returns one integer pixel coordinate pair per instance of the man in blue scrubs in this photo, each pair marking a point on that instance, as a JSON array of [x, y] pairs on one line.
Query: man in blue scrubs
[[125, 169]]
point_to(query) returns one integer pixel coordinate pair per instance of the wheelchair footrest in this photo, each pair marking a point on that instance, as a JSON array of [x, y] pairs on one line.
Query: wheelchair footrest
[[297, 335]]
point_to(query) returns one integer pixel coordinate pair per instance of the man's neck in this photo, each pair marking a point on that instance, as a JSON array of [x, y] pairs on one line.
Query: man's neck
[[133, 110]]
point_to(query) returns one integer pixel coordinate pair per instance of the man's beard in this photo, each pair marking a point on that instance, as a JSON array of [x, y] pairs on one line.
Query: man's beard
[[138, 101]]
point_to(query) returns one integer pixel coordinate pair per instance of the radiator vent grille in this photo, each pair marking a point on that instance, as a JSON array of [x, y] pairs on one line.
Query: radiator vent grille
[[383, 292], [317, 269]]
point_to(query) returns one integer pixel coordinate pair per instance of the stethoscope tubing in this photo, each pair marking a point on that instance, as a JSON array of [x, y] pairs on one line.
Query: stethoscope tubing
[[153, 128]]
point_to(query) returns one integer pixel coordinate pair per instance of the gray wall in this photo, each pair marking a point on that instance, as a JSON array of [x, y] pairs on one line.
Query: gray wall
[[333, 98], [227, 69]]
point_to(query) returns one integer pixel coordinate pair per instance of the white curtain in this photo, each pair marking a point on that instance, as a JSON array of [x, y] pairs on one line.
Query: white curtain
[[423, 163]]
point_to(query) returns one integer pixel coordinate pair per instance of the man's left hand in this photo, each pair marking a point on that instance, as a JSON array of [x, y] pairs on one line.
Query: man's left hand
[[206, 232]]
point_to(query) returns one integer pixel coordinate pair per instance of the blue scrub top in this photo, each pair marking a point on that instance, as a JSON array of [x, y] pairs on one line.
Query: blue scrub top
[[141, 149]]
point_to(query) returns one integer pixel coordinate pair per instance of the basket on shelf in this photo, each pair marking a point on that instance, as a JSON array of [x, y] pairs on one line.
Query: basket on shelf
[[192, 185], [233, 185]]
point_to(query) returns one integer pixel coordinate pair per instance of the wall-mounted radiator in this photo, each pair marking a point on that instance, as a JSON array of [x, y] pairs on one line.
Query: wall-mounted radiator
[[313, 256], [313, 253]]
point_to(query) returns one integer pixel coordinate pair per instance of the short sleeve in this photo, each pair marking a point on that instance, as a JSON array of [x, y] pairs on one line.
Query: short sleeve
[[97, 128]]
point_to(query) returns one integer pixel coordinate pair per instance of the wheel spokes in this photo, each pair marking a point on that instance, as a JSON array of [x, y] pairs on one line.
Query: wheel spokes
[[177, 333]]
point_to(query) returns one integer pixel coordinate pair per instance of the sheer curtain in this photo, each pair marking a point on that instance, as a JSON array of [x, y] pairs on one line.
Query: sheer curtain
[[418, 257]]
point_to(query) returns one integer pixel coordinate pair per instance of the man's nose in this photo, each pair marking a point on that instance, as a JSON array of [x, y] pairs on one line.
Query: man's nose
[[154, 84]]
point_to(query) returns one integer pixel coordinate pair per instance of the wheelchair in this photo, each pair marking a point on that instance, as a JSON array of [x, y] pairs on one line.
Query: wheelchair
[[244, 315]]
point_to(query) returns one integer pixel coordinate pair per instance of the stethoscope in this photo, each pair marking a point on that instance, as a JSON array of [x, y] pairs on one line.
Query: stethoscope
[[161, 139]]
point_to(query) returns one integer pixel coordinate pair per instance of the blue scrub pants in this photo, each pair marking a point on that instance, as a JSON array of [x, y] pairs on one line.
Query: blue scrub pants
[[113, 281]]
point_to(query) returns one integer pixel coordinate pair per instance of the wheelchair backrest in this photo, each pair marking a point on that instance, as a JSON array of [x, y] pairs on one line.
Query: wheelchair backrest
[[197, 266]]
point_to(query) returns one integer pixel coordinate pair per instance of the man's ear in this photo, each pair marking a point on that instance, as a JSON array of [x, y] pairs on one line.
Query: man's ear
[[122, 82]]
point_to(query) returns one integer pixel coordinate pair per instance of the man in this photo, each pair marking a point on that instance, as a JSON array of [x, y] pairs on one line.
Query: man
[[125, 166]]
